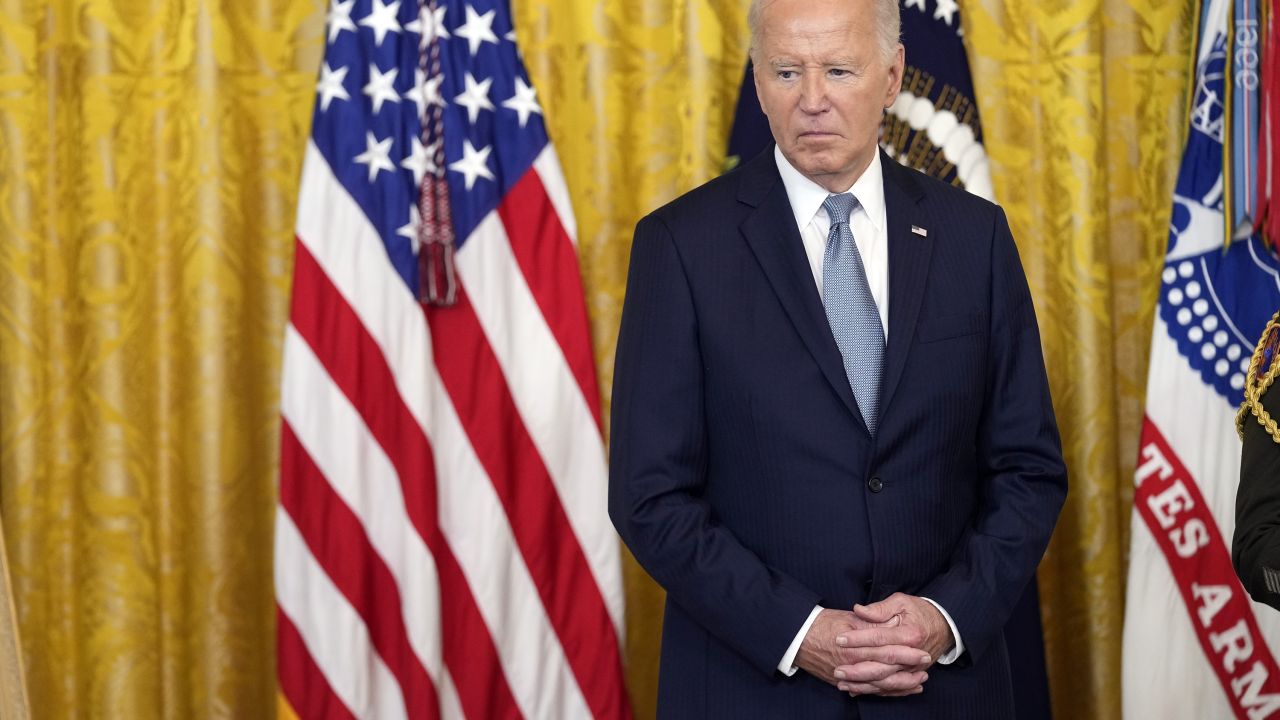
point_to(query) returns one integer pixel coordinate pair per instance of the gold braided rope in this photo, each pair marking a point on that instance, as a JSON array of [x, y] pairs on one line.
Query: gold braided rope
[[1255, 386]]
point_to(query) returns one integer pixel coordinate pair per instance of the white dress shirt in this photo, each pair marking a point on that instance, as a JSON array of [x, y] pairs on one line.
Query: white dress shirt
[[870, 227]]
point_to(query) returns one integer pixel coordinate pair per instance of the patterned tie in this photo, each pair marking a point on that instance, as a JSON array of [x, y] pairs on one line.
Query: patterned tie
[[851, 311]]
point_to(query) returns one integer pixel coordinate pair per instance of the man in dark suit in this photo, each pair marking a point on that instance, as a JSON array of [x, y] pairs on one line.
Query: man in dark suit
[[832, 438], [1255, 546]]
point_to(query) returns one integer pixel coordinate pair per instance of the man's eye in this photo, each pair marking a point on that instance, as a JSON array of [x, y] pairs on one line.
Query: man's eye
[[786, 74], [838, 72]]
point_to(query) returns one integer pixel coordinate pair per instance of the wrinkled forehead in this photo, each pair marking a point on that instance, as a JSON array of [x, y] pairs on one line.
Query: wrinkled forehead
[[815, 28]]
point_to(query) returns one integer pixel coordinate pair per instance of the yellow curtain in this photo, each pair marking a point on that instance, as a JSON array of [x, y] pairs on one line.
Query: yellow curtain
[[1084, 112], [149, 156]]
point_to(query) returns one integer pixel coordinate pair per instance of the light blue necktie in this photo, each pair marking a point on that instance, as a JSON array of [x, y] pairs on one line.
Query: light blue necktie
[[851, 311]]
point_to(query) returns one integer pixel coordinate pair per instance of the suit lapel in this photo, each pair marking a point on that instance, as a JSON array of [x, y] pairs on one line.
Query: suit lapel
[[771, 233], [908, 269]]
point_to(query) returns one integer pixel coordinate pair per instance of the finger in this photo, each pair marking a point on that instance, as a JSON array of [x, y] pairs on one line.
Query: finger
[[908, 635], [913, 691], [902, 655], [863, 624], [902, 681], [881, 611], [856, 689], [872, 670], [893, 621], [905, 693], [902, 693], [875, 612], [896, 683], [866, 672]]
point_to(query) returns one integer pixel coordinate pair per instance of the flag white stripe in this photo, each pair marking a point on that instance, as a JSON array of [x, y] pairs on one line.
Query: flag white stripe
[[450, 705], [334, 634], [547, 396], [547, 165], [1156, 617], [332, 432], [472, 518]]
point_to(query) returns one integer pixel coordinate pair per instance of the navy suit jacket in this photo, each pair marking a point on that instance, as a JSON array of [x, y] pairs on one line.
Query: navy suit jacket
[[744, 480]]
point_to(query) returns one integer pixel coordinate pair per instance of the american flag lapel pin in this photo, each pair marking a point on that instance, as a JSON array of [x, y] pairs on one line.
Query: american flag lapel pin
[[919, 231]]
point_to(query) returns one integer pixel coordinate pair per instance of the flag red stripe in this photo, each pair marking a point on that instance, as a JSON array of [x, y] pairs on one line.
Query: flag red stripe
[[549, 264], [355, 363], [302, 683], [574, 604], [338, 542]]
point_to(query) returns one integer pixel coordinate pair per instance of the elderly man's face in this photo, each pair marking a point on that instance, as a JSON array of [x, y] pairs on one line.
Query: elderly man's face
[[823, 83]]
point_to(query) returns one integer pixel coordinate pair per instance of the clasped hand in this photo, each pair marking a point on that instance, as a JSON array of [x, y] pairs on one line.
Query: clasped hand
[[880, 649]]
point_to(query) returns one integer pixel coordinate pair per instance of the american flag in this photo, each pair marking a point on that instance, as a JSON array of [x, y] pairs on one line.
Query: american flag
[[442, 544]]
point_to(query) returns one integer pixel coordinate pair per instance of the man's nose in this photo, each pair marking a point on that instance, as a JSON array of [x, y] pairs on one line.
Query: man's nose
[[813, 93]]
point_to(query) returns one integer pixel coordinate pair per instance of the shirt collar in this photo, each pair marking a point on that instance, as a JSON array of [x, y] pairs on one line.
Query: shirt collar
[[807, 196]]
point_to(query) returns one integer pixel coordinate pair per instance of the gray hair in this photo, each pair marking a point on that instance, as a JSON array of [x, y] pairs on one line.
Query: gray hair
[[888, 26]]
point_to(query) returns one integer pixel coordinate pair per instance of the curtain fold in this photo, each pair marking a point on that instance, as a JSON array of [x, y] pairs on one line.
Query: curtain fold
[[1084, 108], [149, 159], [148, 170]]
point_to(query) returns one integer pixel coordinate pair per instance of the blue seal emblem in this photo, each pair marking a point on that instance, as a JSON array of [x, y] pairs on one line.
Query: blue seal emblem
[[1215, 297]]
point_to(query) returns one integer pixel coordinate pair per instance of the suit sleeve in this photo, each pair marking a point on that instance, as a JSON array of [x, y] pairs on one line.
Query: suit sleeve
[[1255, 546], [658, 468], [1023, 481]]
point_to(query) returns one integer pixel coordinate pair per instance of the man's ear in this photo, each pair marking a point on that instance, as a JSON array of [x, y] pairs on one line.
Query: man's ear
[[896, 70]]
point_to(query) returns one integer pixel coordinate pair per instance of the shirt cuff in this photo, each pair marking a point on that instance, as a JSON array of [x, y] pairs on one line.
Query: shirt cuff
[[956, 650], [787, 666]]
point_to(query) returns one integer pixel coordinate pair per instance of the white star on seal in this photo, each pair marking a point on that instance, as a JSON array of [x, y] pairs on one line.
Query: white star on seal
[[421, 160], [524, 102], [474, 163], [330, 85], [477, 29], [916, 4], [382, 20], [376, 155], [339, 18], [476, 97], [380, 88], [946, 10]]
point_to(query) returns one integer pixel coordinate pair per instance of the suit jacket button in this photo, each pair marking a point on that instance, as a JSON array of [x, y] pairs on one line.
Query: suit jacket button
[[875, 485]]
